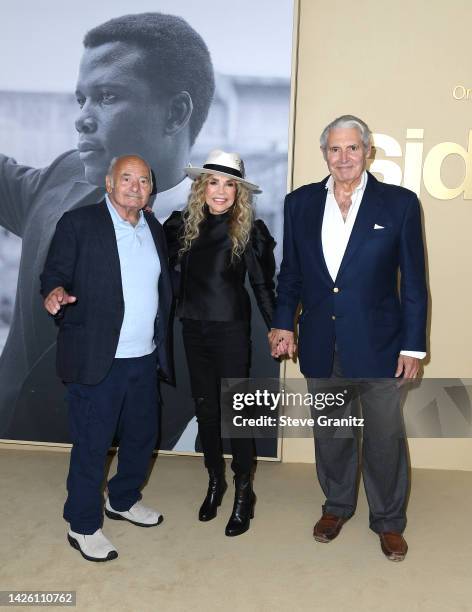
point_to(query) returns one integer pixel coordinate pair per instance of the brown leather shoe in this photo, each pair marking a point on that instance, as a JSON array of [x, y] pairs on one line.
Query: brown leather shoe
[[328, 527], [394, 546]]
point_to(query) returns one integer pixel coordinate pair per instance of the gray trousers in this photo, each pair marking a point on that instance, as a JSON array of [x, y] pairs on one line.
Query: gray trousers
[[384, 461]]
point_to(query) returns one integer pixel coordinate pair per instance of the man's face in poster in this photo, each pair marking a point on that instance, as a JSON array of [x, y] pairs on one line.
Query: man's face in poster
[[120, 112]]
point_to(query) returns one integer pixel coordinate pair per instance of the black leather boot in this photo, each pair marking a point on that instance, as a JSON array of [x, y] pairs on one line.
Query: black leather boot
[[216, 488], [243, 508]]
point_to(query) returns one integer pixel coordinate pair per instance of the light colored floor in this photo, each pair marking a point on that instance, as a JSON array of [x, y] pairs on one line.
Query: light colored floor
[[187, 565]]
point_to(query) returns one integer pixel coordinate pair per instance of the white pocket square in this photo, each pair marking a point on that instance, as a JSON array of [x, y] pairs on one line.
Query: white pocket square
[[378, 226]]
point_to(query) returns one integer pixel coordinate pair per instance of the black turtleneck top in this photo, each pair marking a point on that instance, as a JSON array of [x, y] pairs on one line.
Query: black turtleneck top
[[211, 286]]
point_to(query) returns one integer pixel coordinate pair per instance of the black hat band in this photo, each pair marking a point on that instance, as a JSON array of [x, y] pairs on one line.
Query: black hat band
[[225, 169]]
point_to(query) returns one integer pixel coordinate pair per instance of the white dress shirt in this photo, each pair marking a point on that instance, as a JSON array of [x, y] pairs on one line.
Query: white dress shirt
[[336, 231]]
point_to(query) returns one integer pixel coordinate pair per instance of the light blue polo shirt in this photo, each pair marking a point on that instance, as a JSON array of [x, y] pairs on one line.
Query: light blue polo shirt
[[140, 271]]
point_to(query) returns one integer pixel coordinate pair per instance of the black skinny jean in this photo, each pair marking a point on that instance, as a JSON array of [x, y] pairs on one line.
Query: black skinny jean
[[216, 350]]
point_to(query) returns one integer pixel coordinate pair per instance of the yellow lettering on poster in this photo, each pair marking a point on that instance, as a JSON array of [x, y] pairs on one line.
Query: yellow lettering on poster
[[432, 170], [390, 171], [413, 159]]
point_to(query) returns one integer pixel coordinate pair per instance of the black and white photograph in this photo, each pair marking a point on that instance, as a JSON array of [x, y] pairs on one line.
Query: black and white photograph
[[81, 84]]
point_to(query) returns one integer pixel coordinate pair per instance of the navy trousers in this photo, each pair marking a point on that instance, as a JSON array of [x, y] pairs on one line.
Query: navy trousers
[[124, 404]]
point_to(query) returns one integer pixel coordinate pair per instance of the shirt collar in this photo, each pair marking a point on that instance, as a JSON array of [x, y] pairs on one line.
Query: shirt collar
[[117, 220], [329, 186]]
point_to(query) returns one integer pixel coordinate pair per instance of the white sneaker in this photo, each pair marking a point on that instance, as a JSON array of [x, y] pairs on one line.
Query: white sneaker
[[139, 515], [93, 547]]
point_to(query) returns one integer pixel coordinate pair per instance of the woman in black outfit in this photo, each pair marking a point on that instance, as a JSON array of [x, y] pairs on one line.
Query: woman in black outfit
[[216, 240]]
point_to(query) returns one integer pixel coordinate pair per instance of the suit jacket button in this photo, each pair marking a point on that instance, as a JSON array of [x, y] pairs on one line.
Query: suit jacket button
[[336, 290], [333, 317]]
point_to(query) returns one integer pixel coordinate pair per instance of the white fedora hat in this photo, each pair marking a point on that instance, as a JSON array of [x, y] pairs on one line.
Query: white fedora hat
[[225, 164]]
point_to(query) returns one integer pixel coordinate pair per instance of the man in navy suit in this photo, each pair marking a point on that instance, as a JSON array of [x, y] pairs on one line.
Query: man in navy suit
[[345, 240], [106, 280]]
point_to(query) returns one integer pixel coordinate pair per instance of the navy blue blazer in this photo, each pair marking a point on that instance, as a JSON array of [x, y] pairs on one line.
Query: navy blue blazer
[[365, 311], [83, 258]]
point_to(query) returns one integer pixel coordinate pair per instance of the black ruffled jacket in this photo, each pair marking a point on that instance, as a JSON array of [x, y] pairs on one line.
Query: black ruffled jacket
[[210, 287]]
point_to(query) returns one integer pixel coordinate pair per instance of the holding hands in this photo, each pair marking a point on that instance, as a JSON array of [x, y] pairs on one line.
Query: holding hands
[[282, 342]]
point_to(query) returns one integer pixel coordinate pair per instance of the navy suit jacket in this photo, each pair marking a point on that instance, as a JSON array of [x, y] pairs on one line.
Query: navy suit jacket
[[83, 258], [365, 311]]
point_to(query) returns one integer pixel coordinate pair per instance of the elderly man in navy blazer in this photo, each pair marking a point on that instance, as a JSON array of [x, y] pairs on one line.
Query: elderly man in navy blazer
[[345, 240], [106, 280]]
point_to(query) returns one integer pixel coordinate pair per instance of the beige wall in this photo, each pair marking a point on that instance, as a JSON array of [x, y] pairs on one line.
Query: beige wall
[[401, 66]]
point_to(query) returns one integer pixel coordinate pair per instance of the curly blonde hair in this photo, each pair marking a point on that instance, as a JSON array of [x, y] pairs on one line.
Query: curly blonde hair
[[240, 223]]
